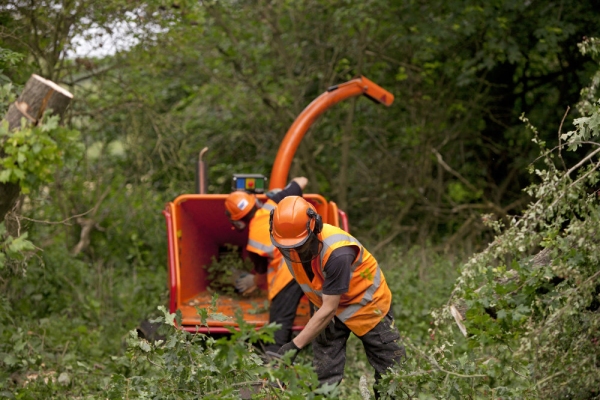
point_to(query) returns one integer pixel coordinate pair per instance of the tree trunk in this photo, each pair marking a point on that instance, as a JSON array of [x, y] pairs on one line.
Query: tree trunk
[[347, 135], [38, 96], [345, 158]]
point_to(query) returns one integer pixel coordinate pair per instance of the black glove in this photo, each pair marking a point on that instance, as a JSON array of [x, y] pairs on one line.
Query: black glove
[[290, 346]]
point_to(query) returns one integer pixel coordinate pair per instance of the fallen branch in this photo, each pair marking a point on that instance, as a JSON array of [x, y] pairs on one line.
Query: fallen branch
[[64, 221]]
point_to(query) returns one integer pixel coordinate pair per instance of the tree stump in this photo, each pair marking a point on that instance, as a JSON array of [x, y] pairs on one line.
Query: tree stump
[[38, 96]]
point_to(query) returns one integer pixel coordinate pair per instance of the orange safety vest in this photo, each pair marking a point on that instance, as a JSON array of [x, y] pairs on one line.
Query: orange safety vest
[[368, 298], [259, 242]]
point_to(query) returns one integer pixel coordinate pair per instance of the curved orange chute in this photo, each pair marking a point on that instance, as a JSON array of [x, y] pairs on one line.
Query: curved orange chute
[[307, 117]]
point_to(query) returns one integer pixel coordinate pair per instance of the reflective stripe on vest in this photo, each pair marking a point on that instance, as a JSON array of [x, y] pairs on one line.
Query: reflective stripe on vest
[[269, 207], [259, 242], [267, 249], [331, 240], [353, 308], [306, 288]]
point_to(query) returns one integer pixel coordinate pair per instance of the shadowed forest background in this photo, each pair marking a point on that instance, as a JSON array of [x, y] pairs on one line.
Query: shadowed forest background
[[476, 190]]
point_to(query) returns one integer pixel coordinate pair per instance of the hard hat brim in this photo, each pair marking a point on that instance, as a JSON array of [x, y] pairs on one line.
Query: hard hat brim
[[288, 243], [240, 215]]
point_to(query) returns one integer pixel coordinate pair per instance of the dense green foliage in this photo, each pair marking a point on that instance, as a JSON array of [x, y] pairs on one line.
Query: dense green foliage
[[529, 303], [32, 155], [481, 89], [190, 366]]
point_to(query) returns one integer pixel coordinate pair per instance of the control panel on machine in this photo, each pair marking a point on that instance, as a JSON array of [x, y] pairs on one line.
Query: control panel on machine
[[251, 183]]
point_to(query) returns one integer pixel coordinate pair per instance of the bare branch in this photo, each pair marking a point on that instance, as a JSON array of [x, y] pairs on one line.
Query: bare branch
[[453, 172], [397, 227], [64, 221], [559, 139]]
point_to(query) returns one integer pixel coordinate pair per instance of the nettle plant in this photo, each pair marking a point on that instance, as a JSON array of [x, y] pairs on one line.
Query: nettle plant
[[529, 305], [195, 365]]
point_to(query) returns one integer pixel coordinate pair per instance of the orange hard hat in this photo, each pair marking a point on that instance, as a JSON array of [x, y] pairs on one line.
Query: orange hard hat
[[239, 204], [293, 221]]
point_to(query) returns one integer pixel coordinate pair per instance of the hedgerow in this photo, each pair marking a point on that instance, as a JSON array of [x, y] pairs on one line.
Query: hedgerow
[[528, 305]]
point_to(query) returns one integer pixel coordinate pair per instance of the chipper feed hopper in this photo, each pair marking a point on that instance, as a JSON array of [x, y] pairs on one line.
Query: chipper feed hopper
[[198, 230]]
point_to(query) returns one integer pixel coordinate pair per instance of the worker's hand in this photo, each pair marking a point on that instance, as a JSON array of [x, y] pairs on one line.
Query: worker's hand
[[290, 346], [245, 283], [301, 181]]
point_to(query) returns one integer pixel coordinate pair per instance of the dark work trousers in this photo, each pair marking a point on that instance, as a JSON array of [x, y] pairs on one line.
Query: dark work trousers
[[283, 311], [380, 345]]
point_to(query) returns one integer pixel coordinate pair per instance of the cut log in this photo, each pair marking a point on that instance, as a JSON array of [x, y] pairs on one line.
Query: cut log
[[38, 96]]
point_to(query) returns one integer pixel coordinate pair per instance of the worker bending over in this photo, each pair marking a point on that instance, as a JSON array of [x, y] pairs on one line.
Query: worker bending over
[[345, 284], [245, 210]]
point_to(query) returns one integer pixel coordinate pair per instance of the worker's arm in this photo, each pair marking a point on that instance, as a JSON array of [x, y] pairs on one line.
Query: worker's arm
[[294, 188], [319, 321], [261, 264], [301, 181]]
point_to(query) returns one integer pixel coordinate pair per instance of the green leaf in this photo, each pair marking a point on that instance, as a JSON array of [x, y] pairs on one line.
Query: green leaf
[[145, 345], [5, 175], [18, 173], [219, 317], [21, 244]]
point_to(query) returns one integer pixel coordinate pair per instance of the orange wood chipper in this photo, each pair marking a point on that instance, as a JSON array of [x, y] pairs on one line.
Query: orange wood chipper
[[198, 229]]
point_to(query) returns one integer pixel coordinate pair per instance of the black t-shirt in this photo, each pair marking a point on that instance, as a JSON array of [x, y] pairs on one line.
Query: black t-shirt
[[292, 189], [337, 270]]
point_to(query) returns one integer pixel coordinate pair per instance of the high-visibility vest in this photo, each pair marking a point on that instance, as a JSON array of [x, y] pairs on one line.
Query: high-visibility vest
[[368, 298], [259, 242]]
